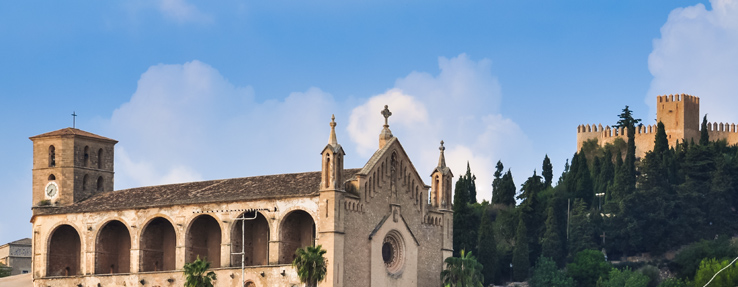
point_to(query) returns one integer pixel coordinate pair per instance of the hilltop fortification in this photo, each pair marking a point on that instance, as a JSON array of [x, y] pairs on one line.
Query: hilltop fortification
[[681, 117]]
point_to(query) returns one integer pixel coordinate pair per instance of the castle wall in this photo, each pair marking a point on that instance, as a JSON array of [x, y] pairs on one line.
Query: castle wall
[[680, 115]]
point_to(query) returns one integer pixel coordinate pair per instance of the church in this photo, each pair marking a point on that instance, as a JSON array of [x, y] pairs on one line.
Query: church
[[381, 225]]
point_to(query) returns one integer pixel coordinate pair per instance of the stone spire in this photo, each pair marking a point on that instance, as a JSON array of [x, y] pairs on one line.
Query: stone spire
[[442, 158], [386, 134], [332, 140]]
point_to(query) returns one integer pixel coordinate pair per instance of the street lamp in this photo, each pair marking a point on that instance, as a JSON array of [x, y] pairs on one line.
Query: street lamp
[[511, 272], [600, 195]]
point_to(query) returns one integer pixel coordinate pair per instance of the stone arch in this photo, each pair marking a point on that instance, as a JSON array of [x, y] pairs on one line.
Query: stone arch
[[249, 284], [203, 239], [52, 177], [297, 230], [113, 249], [255, 241], [63, 255], [158, 245]]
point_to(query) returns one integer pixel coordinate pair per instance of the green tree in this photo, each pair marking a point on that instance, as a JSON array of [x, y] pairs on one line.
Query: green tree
[[629, 123], [672, 282], [466, 223], [487, 246], [4, 270], [626, 278], [687, 261], [704, 135], [197, 274], [588, 266], [462, 271], [581, 230], [310, 264], [521, 262], [551, 245], [496, 196], [710, 267], [547, 172], [546, 274]]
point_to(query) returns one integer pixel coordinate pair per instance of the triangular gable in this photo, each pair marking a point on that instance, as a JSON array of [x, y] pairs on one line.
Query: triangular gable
[[379, 154]]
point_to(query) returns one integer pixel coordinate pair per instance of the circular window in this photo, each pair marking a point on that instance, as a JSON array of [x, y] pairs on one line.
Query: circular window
[[393, 252]]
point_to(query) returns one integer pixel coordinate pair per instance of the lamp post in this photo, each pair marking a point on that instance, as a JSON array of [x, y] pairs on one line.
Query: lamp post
[[600, 195], [243, 219], [511, 272]]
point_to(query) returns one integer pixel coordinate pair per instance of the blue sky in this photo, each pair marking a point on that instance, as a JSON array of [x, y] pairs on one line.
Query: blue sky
[[198, 90]]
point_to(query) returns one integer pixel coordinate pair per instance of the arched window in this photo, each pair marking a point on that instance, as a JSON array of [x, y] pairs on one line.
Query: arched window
[[63, 253], [113, 249], [297, 231], [203, 240], [100, 183], [87, 157], [52, 177], [85, 183], [52, 156], [158, 246], [254, 240], [100, 158]]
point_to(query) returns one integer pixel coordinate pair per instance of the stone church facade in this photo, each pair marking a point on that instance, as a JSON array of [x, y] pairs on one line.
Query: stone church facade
[[381, 225], [681, 117]]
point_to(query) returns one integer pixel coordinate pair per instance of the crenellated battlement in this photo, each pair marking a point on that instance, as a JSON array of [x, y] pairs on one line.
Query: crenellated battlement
[[678, 98], [681, 118]]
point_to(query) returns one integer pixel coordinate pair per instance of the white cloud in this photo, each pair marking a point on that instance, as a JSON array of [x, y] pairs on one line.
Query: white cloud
[[697, 55], [187, 122], [460, 106]]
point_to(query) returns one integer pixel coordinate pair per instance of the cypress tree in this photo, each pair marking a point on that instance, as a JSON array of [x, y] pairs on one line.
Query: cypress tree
[[507, 190], [551, 245], [627, 121], [465, 234], [547, 172], [496, 189], [521, 262], [487, 246], [704, 135]]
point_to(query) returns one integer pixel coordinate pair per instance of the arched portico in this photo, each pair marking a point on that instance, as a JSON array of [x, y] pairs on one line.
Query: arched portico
[[255, 240], [203, 240], [63, 258], [113, 249], [297, 230], [158, 246]]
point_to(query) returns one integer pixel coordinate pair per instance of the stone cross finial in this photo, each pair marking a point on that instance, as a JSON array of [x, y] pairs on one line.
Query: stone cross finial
[[332, 140], [386, 113], [441, 158]]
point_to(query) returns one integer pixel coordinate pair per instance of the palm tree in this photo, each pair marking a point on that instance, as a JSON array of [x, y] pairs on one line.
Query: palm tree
[[197, 274], [462, 271], [310, 265]]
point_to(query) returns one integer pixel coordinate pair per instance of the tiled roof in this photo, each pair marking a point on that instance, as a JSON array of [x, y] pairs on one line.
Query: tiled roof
[[222, 190], [72, 131]]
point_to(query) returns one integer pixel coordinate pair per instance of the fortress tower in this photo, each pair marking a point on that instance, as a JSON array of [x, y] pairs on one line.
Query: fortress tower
[[681, 117]]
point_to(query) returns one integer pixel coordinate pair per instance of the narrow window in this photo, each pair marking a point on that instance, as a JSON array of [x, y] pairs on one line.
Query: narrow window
[[100, 158], [52, 177], [52, 156], [100, 183], [85, 179], [87, 156]]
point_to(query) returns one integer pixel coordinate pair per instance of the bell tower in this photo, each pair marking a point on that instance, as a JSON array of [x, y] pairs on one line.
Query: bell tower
[[70, 165], [331, 222], [441, 183]]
